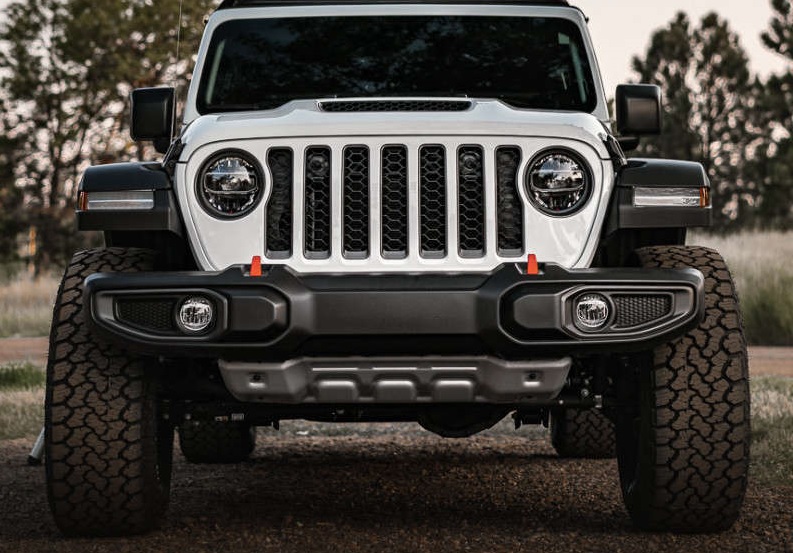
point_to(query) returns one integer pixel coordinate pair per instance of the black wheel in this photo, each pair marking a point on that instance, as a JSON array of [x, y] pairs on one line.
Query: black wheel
[[583, 433], [216, 442], [683, 431], [107, 452]]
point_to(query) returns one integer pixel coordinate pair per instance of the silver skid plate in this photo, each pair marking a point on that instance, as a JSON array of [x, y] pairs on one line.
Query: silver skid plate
[[396, 380]]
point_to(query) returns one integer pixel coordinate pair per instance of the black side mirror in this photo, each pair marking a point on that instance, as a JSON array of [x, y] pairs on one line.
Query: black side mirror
[[638, 109], [153, 116]]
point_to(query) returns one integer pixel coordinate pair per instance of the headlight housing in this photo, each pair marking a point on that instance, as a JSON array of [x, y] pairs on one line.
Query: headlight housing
[[558, 182], [230, 184]]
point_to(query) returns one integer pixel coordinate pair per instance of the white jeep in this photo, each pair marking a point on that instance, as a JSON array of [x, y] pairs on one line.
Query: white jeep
[[398, 211]]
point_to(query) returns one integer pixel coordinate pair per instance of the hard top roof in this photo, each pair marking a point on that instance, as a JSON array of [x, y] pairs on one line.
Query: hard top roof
[[259, 3]]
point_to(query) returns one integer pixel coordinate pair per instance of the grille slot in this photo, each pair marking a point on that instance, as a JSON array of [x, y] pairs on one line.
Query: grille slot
[[510, 207], [317, 202], [279, 207], [471, 201], [356, 202], [432, 200], [395, 202], [395, 105], [147, 314], [638, 310]]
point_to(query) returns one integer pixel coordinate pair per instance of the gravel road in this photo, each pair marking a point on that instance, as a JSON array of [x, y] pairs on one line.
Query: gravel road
[[377, 488]]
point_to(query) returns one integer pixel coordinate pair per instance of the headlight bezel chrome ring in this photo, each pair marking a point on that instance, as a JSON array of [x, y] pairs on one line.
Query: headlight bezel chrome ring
[[248, 158], [589, 181]]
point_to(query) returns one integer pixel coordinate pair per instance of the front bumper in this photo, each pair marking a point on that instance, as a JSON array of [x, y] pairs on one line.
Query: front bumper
[[282, 316], [504, 337]]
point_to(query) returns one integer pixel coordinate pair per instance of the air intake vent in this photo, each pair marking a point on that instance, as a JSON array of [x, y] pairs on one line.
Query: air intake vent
[[356, 202], [471, 198], [510, 206], [147, 314], [432, 201], [317, 198], [394, 105], [395, 202], [638, 310], [279, 206]]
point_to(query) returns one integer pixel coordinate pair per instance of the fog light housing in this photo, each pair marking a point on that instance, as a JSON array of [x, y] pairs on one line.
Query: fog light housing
[[195, 315], [591, 311]]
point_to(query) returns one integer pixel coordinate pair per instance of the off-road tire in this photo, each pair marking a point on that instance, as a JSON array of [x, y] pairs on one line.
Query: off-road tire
[[583, 434], [216, 442], [107, 452], [683, 431]]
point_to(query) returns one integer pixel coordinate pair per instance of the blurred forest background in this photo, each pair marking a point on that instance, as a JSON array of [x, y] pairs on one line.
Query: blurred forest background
[[67, 67]]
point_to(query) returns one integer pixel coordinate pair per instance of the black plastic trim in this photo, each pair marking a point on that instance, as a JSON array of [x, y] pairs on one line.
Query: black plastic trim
[[658, 173], [163, 216], [406, 314], [125, 176]]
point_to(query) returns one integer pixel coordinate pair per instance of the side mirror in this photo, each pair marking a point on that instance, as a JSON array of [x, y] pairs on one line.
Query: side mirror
[[638, 109], [153, 116]]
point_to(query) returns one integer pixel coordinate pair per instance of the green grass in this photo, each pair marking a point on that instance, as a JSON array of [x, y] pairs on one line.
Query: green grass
[[21, 376], [26, 306]]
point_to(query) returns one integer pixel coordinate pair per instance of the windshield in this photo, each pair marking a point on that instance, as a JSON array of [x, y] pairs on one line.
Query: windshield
[[528, 62]]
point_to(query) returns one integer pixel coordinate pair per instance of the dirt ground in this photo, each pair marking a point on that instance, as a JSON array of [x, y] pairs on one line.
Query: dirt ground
[[390, 488]]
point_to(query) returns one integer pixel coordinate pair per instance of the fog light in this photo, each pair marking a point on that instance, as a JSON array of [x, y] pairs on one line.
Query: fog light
[[591, 311], [195, 314]]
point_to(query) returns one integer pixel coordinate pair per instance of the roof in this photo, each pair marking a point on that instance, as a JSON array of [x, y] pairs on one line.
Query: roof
[[242, 3]]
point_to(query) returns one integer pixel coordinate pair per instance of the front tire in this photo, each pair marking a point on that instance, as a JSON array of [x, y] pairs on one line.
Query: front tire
[[683, 426], [107, 450]]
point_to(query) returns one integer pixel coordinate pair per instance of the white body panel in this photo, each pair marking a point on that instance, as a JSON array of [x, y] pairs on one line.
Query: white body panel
[[569, 241]]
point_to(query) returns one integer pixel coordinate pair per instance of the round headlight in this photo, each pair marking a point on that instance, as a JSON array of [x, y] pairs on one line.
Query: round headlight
[[230, 184], [558, 183]]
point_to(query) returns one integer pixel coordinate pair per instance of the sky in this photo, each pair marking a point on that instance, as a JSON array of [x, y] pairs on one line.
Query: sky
[[621, 29]]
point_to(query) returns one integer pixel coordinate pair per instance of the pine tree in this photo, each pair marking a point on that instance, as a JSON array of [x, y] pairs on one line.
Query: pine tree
[[704, 73]]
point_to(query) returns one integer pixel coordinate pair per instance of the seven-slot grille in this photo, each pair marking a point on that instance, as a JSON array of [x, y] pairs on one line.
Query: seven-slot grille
[[380, 215]]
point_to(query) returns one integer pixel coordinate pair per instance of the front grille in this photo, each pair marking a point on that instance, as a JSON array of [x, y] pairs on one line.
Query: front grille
[[356, 201], [395, 202], [317, 202], [510, 207], [395, 105], [432, 200], [471, 201], [279, 206], [638, 310], [385, 205], [147, 314]]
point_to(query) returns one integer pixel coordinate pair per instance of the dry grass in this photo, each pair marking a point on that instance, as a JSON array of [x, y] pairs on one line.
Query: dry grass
[[763, 271], [772, 430], [21, 413], [26, 306]]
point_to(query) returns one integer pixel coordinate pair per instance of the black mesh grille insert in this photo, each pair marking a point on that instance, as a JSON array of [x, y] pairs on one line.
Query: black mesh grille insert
[[395, 105], [148, 314], [317, 202], [356, 201], [510, 207], [637, 310], [279, 207], [471, 199], [395, 202], [432, 199]]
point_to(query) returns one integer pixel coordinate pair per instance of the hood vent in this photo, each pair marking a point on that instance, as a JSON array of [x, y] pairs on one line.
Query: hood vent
[[346, 106]]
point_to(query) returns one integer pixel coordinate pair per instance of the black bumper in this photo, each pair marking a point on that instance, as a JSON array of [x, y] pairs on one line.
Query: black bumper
[[282, 315]]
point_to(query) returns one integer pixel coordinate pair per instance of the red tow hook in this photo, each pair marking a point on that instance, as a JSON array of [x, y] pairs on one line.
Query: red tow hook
[[532, 267], [256, 266]]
